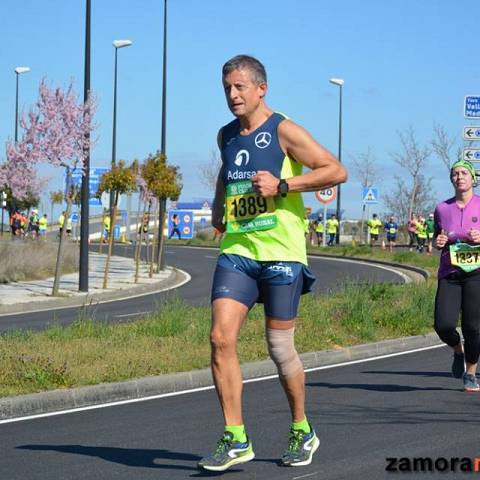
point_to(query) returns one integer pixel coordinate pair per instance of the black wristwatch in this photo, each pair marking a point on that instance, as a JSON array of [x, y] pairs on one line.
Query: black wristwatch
[[283, 187]]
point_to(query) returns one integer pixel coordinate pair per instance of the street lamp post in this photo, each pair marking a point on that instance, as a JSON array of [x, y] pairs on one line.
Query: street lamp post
[[85, 190], [339, 82], [163, 206], [18, 72], [117, 44]]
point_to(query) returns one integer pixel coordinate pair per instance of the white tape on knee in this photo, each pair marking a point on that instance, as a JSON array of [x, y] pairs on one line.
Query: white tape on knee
[[282, 351]]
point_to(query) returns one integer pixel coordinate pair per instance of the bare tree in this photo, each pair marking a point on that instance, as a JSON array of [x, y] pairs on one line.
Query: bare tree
[[399, 200], [364, 167], [443, 146], [208, 171], [413, 158], [365, 170]]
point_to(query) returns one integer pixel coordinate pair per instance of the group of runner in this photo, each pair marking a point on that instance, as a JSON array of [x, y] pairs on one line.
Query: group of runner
[[420, 231], [32, 225], [259, 210]]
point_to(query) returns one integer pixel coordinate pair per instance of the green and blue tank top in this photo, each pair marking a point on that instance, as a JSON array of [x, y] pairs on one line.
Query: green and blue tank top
[[264, 229]]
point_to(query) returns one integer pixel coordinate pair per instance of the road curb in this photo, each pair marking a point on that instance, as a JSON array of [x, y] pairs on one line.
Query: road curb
[[176, 278], [63, 400]]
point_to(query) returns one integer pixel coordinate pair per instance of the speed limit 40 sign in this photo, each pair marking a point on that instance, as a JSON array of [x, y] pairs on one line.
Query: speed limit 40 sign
[[326, 196]]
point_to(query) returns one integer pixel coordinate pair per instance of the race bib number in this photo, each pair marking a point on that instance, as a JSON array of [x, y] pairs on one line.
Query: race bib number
[[393, 231], [465, 256], [246, 211]]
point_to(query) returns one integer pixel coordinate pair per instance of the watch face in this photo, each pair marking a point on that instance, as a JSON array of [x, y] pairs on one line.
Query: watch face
[[283, 187]]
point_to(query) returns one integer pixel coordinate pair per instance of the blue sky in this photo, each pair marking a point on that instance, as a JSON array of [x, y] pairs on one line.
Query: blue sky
[[404, 62]]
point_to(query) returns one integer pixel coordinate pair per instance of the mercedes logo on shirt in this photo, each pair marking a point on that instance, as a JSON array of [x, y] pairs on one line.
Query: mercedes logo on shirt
[[263, 139]]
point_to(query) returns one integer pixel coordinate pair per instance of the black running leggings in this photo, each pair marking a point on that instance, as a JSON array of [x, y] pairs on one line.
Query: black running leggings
[[459, 292]]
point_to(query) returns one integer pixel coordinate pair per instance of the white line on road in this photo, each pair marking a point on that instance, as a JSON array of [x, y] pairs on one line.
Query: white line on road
[[307, 475], [210, 387], [131, 314]]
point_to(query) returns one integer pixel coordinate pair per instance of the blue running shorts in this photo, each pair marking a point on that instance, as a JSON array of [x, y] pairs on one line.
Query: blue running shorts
[[278, 285]]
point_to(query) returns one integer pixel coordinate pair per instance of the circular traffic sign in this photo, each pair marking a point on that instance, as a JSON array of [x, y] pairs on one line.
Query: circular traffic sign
[[326, 196]]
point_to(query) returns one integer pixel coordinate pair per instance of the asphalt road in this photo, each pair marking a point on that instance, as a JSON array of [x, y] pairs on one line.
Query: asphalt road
[[399, 406], [200, 264]]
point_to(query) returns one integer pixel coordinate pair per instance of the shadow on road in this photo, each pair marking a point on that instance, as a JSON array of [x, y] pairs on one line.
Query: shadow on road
[[378, 387], [132, 457], [416, 373]]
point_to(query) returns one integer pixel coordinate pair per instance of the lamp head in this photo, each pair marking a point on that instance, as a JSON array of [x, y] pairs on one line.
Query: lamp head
[[337, 81], [20, 70], [122, 43]]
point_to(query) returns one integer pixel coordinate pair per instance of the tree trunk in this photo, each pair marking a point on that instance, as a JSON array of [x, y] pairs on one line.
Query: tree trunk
[[161, 236], [412, 199], [101, 233], [152, 260], [138, 247], [110, 240], [61, 242]]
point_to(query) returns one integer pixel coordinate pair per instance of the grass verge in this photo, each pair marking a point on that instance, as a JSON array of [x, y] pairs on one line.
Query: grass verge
[[175, 337], [34, 259]]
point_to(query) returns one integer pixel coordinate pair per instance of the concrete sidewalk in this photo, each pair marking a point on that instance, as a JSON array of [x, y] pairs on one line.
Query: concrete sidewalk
[[35, 295]]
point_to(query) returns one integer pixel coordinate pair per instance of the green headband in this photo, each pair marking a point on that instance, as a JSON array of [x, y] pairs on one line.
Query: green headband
[[466, 164]]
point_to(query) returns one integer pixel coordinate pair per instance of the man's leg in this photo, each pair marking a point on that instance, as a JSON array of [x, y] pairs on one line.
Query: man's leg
[[303, 442], [234, 447], [228, 317], [293, 384]]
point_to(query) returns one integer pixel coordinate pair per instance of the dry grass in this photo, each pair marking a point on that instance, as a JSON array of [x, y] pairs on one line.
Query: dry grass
[[34, 259]]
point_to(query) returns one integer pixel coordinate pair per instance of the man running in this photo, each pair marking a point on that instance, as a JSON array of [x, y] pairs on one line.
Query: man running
[[332, 228], [391, 229], [374, 225], [263, 254]]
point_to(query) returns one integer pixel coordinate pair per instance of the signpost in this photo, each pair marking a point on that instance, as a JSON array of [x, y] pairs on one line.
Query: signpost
[[326, 196], [184, 223], [471, 107], [472, 154], [370, 196], [471, 133], [93, 183], [74, 218]]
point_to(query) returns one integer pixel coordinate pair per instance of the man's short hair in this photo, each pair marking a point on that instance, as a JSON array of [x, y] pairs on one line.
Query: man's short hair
[[246, 62]]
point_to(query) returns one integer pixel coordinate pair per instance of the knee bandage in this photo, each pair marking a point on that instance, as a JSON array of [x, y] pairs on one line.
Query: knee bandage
[[282, 351]]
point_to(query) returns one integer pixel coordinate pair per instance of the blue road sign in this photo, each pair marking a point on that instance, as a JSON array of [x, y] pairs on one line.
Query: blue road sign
[[116, 232], [95, 177], [472, 106], [370, 195], [180, 224], [74, 217]]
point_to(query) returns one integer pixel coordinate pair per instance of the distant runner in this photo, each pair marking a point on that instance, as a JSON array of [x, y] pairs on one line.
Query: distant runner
[[457, 234]]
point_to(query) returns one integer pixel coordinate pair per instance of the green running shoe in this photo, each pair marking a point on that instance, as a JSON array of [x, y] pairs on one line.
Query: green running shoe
[[301, 447], [227, 453]]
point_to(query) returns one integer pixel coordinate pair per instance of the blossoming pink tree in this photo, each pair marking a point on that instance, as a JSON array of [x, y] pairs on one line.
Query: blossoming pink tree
[[55, 132]]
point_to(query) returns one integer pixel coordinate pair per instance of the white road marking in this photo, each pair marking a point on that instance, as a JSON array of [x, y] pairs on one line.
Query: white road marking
[[307, 475], [210, 387], [131, 314]]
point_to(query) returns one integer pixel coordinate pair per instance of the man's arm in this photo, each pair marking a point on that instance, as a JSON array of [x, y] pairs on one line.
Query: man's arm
[[218, 207], [325, 170]]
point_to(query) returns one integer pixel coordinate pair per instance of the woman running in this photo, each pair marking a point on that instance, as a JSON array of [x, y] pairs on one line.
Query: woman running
[[457, 234]]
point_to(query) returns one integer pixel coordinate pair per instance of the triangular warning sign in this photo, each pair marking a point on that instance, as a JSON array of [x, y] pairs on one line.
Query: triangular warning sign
[[370, 196]]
